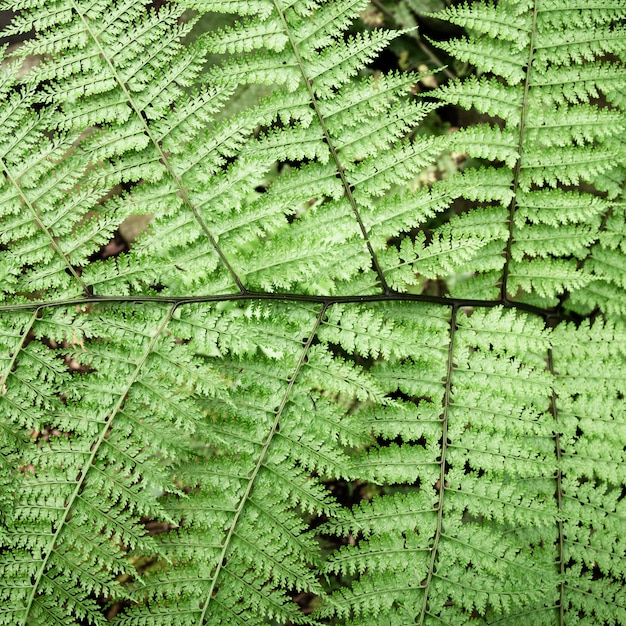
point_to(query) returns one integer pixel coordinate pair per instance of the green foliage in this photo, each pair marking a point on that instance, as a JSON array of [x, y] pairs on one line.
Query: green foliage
[[550, 78], [314, 390]]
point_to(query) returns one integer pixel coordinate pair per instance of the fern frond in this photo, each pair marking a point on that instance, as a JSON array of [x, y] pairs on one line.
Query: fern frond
[[270, 435], [538, 61], [589, 424], [97, 462], [322, 386], [473, 536]]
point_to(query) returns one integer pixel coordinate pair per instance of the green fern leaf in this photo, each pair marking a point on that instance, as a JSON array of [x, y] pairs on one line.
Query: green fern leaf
[[321, 385]]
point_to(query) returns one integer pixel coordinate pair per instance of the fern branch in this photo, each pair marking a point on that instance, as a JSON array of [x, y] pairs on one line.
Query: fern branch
[[41, 225], [89, 465], [520, 155], [442, 475], [555, 314], [15, 351], [165, 161], [245, 497], [559, 495], [309, 83]]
